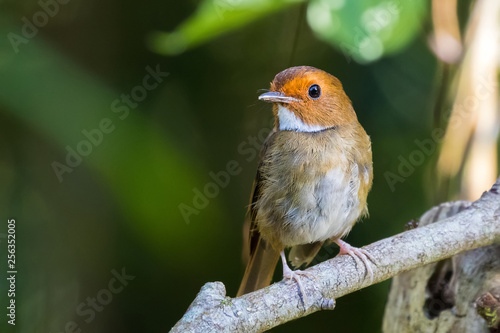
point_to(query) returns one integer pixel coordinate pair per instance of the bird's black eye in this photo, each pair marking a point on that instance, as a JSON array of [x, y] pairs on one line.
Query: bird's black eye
[[314, 91]]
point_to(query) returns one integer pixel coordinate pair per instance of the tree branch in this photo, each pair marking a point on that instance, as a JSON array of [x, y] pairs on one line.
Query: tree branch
[[452, 295], [213, 311]]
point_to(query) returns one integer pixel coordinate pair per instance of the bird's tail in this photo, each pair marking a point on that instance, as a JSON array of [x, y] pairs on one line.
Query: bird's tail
[[303, 254], [260, 268]]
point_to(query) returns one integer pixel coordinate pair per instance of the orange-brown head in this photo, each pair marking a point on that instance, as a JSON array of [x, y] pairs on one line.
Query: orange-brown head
[[308, 99]]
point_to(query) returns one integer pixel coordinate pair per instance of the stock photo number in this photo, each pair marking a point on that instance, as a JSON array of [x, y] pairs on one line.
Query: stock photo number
[[11, 271]]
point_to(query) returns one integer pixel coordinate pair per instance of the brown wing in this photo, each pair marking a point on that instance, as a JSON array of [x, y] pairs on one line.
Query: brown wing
[[261, 257], [251, 234]]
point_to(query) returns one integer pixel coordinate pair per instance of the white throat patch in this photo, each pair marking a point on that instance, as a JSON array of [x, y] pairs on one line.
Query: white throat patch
[[288, 121]]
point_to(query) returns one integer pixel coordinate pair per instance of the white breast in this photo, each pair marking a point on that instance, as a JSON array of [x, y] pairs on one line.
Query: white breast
[[339, 204], [326, 209]]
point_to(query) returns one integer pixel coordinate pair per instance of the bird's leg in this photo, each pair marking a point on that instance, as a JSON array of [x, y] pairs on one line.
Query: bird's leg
[[289, 274], [357, 254]]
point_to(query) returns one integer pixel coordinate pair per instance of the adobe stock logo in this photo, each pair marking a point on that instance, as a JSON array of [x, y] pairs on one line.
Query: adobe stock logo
[[461, 112], [222, 6], [121, 107], [89, 308], [250, 147], [29, 30], [367, 43]]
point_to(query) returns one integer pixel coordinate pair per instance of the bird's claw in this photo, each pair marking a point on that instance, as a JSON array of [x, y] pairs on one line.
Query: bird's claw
[[295, 275], [358, 254]]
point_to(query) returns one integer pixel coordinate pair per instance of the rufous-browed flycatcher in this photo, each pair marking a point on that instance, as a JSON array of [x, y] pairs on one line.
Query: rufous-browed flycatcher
[[313, 177]]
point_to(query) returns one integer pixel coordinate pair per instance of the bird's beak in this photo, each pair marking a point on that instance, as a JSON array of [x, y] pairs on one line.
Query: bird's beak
[[276, 97]]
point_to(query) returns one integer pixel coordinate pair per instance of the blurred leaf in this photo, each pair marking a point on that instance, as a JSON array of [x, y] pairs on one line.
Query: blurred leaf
[[211, 19], [366, 30]]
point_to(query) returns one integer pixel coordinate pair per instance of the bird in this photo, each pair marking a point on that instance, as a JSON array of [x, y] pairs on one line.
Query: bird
[[313, 178]]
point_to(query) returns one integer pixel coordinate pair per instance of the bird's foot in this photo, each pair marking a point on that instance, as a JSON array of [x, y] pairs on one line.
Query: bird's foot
[[367, 259], [295, 275]]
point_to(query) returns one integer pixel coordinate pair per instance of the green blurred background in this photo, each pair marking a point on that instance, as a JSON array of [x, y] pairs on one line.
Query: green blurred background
[[119, 208]]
